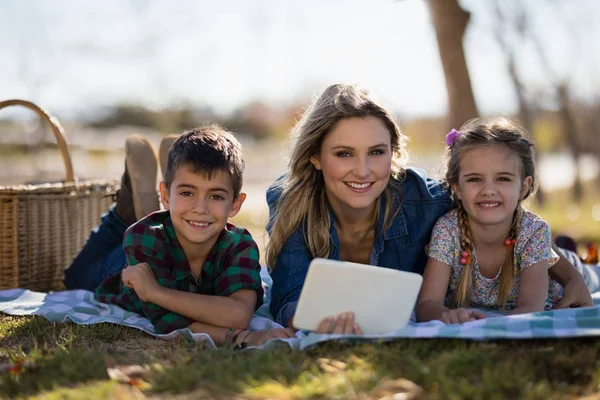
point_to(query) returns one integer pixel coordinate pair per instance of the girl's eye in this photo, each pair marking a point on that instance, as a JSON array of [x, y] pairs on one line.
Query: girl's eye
[[473, 180], [342, 154]]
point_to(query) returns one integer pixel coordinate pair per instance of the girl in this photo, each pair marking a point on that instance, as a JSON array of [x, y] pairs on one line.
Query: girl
[[346, 196], [489, 251]]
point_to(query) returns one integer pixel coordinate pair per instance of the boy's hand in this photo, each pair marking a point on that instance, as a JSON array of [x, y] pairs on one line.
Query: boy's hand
[[258, 338], [460, 316], [140, 278]]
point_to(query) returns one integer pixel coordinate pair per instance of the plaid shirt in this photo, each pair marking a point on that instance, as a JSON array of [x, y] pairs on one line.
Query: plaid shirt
[[231, 265]]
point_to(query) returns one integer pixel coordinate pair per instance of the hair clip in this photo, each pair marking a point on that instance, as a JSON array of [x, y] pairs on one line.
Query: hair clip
[[452, 137]]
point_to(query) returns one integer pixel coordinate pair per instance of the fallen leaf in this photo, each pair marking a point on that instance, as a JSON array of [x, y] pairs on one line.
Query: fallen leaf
[[397, 389], [130, 374]]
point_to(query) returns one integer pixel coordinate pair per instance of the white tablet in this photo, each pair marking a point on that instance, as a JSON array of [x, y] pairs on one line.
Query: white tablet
[[382, 299]]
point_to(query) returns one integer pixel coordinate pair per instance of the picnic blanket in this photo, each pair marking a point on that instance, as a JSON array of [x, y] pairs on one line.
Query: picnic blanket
[[80, 307]]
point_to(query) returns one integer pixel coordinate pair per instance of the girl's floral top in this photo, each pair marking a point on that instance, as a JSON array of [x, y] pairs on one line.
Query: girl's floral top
[[534, 245]]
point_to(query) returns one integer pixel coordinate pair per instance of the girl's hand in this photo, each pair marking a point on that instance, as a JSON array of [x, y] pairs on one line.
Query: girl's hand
[[575, 294], [461, 315], [258, 338], [344, 323], [141, 279]]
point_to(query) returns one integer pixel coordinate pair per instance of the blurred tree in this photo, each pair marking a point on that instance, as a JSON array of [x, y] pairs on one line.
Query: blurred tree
[[570, 132], [450, 22], [518, 23]]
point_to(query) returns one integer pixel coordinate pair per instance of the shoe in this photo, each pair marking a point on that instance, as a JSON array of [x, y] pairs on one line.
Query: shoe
[[163, 152], [124, 200], [141, 167]]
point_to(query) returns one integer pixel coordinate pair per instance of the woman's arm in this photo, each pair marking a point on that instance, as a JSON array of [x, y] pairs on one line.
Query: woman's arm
[[533, 289], [430, 305]]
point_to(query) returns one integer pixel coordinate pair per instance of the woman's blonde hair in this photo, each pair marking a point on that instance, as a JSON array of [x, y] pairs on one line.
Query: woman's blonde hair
[[476, 133], [303, 200]]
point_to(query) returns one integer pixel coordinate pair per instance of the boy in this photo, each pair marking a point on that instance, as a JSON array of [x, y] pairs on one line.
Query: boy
[[187, 266]]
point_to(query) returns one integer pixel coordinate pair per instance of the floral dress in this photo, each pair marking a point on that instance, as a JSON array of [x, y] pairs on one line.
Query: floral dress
[[534, 245]]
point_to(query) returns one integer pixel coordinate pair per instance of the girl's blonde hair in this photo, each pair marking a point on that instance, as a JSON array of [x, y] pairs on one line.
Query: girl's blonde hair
[[303, 200], [477, 133]]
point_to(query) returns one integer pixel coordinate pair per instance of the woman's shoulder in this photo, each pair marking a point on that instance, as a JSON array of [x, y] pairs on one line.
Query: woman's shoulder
[[418, 187], [275, 190]]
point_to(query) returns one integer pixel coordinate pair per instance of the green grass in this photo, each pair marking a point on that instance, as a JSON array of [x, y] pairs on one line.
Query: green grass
[[70, 364]]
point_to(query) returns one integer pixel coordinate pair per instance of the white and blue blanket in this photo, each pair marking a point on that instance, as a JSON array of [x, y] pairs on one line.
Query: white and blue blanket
[[80, 307]]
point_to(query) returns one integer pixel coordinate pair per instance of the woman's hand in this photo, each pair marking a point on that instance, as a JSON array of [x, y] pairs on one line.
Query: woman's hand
[[344, 323], [461, 315], [258, 338]]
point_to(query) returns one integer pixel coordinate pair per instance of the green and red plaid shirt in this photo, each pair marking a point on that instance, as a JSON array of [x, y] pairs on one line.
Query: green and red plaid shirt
[[231, 265]]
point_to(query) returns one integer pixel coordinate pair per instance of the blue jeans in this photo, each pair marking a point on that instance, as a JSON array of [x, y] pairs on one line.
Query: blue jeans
[[102, 255]]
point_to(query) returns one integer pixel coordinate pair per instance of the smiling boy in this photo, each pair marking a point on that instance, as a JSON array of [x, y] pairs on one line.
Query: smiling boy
[[187, 265]]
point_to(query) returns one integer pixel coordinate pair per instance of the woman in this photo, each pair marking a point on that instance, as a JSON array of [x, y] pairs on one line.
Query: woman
[[347, 197]]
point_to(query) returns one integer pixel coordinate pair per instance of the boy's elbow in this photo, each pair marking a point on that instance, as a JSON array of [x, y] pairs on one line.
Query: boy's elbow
[[239, 317]]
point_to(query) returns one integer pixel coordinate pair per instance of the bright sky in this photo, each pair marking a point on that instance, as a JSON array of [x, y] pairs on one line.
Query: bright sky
[[72, 55]]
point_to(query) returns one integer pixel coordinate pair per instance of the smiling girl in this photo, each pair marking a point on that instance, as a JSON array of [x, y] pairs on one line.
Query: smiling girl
[[489, 251]]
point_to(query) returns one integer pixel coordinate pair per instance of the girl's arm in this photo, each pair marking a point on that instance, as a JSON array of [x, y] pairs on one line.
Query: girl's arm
[[430, 305], [575, 291], [533, 289]]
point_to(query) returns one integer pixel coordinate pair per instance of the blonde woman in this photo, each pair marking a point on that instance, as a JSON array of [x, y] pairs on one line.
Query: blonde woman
[[347, 196]]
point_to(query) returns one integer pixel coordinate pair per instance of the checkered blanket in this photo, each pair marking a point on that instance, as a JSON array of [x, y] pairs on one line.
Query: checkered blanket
[[80, 307]]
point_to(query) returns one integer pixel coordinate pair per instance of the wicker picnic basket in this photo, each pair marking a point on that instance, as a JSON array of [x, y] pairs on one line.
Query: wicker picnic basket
[[43, 227]]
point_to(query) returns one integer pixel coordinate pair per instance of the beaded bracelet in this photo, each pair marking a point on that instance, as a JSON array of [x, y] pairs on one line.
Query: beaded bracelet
[[242, 344]]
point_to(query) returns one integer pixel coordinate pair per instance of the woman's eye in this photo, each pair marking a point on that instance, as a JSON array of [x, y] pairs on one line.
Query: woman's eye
[[342, 154], [377, 152]]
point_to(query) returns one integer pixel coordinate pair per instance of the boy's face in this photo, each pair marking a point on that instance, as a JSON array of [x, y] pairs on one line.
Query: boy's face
[[200, 207]]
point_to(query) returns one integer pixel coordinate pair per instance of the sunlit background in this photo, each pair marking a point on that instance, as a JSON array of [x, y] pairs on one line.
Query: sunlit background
[[107, 69]]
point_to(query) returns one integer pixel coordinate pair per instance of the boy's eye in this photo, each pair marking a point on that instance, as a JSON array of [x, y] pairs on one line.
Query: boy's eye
[[217, 197], [504, 179], [343, 154], [185, 194]]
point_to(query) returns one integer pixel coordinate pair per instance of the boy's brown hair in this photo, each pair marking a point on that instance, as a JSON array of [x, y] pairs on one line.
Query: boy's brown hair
[[207, 149]]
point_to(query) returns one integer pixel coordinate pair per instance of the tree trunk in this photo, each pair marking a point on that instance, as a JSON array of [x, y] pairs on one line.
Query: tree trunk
[[450, 22], [570, 132]]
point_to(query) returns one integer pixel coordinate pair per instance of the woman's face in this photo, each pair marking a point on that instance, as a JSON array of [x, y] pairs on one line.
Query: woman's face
[[356, 162]]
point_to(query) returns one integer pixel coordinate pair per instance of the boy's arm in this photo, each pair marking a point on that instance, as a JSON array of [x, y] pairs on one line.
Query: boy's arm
[[233, 311], [238, 289], [139, 245]]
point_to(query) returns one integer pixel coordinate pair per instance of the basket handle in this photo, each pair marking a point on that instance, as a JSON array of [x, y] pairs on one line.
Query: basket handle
[[57, 129]]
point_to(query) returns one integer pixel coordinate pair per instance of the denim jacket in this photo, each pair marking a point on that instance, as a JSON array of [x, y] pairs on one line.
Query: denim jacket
[[401, 247]]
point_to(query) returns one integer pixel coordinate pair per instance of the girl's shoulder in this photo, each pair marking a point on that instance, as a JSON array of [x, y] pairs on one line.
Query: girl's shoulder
[[532, 224], [448, 221]]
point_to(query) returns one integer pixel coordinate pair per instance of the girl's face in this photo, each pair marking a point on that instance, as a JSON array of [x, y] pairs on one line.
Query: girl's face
[[490, 185], [356, 160]]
